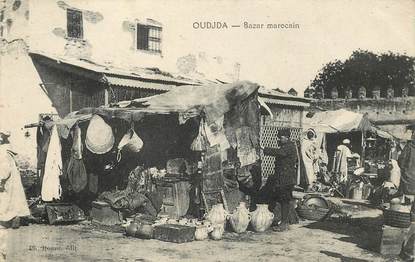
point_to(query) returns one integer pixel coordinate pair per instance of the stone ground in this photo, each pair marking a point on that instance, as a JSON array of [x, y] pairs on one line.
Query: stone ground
[[331, 240]]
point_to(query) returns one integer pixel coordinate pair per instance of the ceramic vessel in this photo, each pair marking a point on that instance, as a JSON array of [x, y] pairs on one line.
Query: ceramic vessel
[[240, 219], [202, 232], [217, 232], [261, 218], [144, 231], [217, 215], [395, 204], [131, 229]]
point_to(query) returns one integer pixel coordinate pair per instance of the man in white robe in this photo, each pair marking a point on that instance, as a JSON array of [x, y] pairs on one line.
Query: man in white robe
[[340, 160], [13, 203]]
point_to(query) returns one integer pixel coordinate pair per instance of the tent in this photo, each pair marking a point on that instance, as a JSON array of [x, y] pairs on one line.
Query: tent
[[342, 121]]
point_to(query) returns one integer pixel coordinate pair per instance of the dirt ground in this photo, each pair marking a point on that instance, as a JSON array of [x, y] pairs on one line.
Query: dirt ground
[[331, 240]]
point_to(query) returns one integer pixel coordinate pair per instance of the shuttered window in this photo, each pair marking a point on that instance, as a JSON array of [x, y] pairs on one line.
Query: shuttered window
[[74, 24], [149, 38]]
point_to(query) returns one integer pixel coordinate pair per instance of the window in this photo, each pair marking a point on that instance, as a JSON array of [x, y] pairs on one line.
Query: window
[[149, 38], [74, 24]]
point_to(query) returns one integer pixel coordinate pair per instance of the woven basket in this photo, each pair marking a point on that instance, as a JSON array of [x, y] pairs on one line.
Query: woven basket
[[396, 218], [313, 213]]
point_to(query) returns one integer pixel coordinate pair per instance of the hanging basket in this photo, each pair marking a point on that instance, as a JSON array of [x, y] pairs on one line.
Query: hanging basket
[[99, 137], [131, 142]]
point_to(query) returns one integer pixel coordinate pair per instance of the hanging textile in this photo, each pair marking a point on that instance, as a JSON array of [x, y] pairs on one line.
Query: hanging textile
[[76, 171], [215, 134], [51, 188], [247, 153]]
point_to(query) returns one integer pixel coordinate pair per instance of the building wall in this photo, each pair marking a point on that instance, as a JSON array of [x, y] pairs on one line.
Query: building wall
[[69, 92], [21, 99], [43, 25], [391, 114], [284, 116], [14, 19]]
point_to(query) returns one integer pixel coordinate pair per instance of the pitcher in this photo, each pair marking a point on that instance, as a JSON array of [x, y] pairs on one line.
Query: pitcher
[[217, 215], [261, 218], [240, 219]]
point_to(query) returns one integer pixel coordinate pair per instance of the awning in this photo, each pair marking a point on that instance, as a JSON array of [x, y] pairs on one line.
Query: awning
[[337, 121], [136, 83], [277, 101]]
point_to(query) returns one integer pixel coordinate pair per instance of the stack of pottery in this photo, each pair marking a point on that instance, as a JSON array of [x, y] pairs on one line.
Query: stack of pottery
[[261, 218], [240, 219]]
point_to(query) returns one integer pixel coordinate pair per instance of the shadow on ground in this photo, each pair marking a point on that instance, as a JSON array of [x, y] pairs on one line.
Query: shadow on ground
[[364, 232], [343, 258]]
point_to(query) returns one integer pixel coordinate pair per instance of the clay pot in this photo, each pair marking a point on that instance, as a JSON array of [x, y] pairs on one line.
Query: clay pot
[[202, 231], [395, 204], [217, 215], [261, 218], [217, 232], [145, 231], [240, 219], [131, 229]]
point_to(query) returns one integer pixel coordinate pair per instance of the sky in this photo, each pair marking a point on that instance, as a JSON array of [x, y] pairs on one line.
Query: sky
[[283, 58]]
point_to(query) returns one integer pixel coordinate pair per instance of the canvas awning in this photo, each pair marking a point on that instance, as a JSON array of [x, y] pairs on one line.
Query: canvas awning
[[342, 121], [186, 101]]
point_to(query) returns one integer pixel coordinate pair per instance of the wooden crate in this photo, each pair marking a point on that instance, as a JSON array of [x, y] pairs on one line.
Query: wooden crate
[[102, 213], [176, 198], [64, 213], [174, 233], [392, 239]]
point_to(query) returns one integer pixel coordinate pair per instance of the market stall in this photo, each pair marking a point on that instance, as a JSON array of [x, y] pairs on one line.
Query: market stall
[[327, 131], [180, 154]]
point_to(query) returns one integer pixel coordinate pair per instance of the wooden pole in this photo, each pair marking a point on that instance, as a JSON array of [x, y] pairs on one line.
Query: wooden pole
[[362, 158]]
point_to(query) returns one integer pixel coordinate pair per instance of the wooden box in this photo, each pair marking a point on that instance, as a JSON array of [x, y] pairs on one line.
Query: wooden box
[[102, 213], [64, 213], [175, 196], [392, 239], [174, 233]]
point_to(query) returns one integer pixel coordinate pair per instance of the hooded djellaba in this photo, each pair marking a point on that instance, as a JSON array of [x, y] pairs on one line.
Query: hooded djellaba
[[406, 162], [13, 203]]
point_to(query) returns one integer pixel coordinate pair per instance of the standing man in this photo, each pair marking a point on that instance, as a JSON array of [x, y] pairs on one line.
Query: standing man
[[406, 162], [13, 203], [285, 174], [340, 160]]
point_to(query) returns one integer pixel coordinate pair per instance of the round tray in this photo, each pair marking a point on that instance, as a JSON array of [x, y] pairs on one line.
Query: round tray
[[313, 213]]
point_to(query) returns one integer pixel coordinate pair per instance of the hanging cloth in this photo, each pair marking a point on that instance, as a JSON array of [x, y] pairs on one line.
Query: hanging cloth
[[200, 143], [76, 171], [51, 188]]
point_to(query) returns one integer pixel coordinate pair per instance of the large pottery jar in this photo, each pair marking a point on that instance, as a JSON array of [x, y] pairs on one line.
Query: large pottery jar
[[217, 215], [261, 218], [239, 220]]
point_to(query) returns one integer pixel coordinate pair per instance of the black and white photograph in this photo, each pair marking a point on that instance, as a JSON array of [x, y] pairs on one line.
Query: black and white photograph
[[196, 130]]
